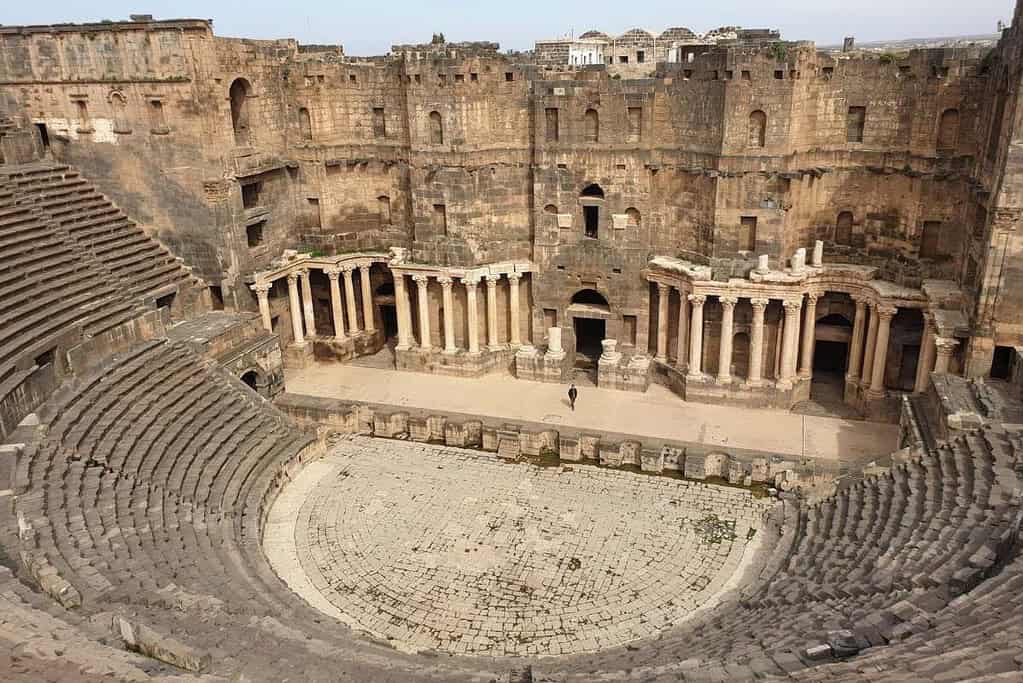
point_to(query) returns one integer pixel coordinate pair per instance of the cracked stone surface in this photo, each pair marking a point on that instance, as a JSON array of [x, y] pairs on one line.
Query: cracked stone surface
[[437, 548]]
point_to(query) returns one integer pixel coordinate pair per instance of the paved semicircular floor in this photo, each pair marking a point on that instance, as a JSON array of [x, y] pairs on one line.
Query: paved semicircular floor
[[437, 548]]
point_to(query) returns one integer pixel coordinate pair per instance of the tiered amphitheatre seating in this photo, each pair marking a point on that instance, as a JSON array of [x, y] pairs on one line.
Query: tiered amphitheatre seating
[[97, 226], [873, 565], [46, 288], [141, 478]]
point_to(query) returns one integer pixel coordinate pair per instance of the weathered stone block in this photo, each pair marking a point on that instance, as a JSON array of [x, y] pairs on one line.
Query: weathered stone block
[[569, 449], [588, 446], [651, 460]]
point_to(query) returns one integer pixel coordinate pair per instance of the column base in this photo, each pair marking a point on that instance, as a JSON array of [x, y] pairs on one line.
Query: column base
[[871, 395], [695, 376], [449, 352], [661, 359], [753, 383], [724, 379], [805, 374], [402, 347]]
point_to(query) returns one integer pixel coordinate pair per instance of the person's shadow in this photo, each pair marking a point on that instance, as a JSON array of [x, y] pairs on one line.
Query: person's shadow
[[566, 402]]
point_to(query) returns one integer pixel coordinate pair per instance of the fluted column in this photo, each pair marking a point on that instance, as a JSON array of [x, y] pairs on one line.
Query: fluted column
[[868, 350], [401, 303], [683, 330], [756, 345], [790, 335], [353, 316], [809, 330], [515, 334], [944, 347], [422, 293], [725, 348], [926, 359], [696, 335], [335, 303], [296, 309], [472, 312], [367, 297], [662, 321], [884, 323], [492, 341], [852, 373], [448, 301], [307, 304], [262, 291]]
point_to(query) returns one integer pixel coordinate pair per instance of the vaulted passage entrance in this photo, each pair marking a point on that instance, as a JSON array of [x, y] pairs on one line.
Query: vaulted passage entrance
[[830, 358], [589, 332]]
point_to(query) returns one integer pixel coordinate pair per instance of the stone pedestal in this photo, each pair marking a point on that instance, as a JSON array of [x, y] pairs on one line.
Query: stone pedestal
[[625, 374]]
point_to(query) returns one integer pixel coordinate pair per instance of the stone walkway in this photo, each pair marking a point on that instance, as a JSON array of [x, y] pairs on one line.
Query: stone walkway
[[656, 414], [436, 548]]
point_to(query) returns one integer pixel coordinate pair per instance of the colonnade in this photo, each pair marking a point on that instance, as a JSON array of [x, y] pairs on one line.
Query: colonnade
[[300, 297], [868, 349], [447, 282]]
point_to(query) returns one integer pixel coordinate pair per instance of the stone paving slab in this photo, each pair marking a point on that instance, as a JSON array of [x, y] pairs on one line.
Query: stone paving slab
[[657, 414], [451, 550]]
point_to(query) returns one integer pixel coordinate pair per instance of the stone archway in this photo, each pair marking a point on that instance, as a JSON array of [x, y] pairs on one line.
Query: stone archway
[[589, 311], [254, 380]]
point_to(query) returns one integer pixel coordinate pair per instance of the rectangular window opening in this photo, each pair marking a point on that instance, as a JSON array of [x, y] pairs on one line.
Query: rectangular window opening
[[748, 233], [379, 123], [250, 194], [254, 234], [591, 216], [635, 124], [440, 219], [551, 114], [855, 123]]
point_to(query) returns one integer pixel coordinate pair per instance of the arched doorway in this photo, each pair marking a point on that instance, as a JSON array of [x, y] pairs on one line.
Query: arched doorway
[[589, 311], [591, 199], [251, 378]]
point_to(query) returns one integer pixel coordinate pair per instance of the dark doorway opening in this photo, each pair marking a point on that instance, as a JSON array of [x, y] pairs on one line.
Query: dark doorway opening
[[389, 317], [251, 379], [217, 297], [44, 135], [591, 215], [830, 357], [907, 370], [589, 332], [829, 364], [1001, 364]]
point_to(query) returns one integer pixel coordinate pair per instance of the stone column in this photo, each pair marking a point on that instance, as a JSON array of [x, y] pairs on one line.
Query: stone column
[[367, 297], [401, 303], [353, 316], [809, 330], [756, 345], [696, 335], [868, 350], [514, 335], [884, 323], [790, 336], [472, 312], [725, 348], [335, 303], [492, 342], [307, 304], [683, 330], [422, 282], [662, 322], [925, 361], [852, 373], [944, 347], [262, 291], [296, 309], [447, 284]]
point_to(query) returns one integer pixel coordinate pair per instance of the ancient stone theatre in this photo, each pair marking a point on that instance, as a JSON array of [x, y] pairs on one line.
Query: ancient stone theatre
[[287, 336]]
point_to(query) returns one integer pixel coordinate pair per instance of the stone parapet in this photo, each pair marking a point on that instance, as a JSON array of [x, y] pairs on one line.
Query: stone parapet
[[541, 443]]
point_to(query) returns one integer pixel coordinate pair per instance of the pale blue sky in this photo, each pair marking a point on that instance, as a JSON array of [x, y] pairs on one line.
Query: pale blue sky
[[369, 28]]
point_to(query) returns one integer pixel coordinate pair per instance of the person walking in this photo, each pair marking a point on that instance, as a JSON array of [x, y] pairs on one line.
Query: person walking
[[572, 393]]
